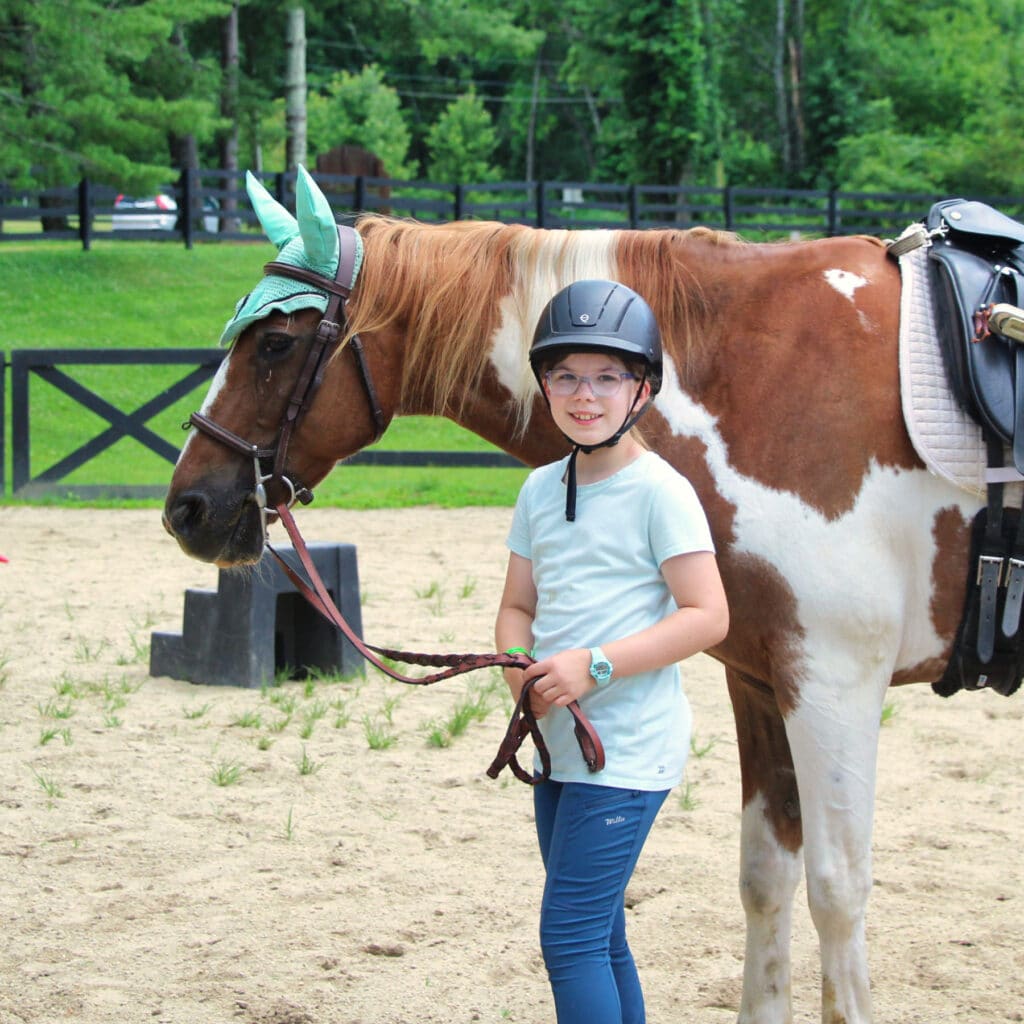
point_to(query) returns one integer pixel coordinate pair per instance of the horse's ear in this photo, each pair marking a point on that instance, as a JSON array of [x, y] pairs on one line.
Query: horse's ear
[[280, 226], [316, 221]]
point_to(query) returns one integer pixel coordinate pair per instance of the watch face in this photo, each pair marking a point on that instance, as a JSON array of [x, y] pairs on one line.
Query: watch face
[[601, 670]]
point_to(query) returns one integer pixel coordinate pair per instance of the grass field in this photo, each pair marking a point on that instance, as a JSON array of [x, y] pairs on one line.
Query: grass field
[[161, 295]]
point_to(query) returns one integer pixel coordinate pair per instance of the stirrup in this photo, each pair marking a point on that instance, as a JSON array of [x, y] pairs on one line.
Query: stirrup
[[1007, 320]]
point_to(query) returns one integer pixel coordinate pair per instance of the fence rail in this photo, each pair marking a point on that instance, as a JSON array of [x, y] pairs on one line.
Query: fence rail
[[54, 368], [212, 204]]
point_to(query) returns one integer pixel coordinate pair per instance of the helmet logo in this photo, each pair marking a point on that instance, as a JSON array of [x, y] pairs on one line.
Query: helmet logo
[[584, 318]]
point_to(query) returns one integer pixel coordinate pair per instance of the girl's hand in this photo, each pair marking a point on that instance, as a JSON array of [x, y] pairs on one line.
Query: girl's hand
[[562, 678], [516, 679]]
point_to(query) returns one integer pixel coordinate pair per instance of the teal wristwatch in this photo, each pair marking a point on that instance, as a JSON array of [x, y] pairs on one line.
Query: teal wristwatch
[[600, 666]]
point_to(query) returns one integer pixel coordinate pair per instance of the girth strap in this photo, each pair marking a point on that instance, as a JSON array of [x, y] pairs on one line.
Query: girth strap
[[1018, 408]]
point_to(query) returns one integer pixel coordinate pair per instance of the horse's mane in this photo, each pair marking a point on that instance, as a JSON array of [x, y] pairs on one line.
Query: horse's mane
[[450, 287]]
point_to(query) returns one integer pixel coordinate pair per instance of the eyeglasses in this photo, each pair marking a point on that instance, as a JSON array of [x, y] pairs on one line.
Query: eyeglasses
[[602, 385]]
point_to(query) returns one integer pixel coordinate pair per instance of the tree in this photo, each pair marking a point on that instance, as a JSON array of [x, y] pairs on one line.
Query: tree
[[653, 69], [296, 89], [100, 89], [461, 143], [363, 109], [938, 85]]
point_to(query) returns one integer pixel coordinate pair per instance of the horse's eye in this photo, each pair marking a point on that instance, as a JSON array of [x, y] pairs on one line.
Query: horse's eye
[[274, 346]]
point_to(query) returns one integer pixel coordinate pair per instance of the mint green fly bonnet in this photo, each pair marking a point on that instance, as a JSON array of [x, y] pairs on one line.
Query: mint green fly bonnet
[[309, 240]]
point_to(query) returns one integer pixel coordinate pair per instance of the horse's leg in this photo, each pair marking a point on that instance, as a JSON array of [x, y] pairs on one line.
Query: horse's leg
[[770, 860], [833, 735]]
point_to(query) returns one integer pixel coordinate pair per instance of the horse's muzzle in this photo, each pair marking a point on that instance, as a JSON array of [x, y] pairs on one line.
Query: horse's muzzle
[[224, 532]]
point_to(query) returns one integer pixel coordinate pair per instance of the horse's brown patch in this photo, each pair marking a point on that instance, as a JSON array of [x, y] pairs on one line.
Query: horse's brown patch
[[783, 396]]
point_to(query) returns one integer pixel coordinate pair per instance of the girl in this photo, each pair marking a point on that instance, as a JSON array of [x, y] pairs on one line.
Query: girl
[[612, 580]]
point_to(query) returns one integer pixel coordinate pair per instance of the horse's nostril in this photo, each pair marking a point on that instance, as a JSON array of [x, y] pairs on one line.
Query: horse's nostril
[[189, 511]]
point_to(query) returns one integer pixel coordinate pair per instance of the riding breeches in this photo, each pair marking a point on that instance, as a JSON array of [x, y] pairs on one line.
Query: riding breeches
[[590, 840]]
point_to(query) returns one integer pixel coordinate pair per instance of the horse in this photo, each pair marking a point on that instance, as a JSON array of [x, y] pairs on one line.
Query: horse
[[843, 557]]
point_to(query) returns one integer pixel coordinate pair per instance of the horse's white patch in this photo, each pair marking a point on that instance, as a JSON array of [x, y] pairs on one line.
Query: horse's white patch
[[862, 586], [863, 581], [845, 282], [769, 875], [216, 386]]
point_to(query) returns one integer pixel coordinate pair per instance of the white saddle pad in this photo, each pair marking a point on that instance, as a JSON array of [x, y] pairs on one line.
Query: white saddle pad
[[948, 441]]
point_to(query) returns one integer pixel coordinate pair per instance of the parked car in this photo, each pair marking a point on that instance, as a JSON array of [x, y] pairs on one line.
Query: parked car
[[158, 213]]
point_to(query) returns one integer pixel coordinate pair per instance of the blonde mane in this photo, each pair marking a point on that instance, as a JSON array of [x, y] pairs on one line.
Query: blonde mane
[[450, 288]]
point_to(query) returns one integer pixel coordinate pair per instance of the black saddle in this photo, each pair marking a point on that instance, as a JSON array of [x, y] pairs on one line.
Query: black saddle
[[977, 268], [976, 262]]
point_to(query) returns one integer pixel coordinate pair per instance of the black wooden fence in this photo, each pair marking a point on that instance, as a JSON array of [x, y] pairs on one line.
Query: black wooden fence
[[212, 203], [54, 368]]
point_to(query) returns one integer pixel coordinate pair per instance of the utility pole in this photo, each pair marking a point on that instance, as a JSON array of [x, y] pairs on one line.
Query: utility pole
[[229, 111], [295, 89]]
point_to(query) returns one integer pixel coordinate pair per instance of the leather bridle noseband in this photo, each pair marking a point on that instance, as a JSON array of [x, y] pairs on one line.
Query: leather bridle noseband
[[276, 493], [275, 488]]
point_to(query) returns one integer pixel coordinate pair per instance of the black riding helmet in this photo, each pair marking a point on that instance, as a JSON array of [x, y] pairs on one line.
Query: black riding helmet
[[598, 316], [601, 316]]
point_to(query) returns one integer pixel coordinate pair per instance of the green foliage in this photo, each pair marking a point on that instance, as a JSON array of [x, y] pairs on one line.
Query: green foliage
[[940, 85], [804, 93], [664, 125], [100, 88], [462, 142], [361, 109]]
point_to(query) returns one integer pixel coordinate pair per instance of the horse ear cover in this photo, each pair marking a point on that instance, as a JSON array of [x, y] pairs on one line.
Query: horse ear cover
[[310, 242]]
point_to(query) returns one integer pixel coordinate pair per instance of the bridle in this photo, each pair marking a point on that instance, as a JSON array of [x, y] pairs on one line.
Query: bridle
[[275, 488], [276, 494]]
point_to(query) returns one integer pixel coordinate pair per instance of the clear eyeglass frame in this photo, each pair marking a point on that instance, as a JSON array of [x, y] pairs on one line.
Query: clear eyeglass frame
[[565, 383]]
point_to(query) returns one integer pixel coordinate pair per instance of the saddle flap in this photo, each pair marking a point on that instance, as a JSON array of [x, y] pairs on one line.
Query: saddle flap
[[981, 373], [970, 220]]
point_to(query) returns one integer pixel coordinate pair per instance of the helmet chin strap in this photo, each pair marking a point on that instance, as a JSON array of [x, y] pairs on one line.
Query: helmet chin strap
[[611, 442]]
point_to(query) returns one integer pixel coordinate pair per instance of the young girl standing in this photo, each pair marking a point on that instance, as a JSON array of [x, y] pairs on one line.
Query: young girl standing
[[612, 580]]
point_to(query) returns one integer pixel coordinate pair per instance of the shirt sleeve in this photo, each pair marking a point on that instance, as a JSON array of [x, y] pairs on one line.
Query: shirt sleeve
[[678, 525], [518, 540]]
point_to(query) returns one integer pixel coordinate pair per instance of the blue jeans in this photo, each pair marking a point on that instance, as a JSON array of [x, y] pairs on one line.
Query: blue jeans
[[590, 840]]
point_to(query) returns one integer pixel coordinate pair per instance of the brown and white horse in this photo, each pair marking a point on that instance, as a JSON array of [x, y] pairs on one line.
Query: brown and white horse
[[843, 557]]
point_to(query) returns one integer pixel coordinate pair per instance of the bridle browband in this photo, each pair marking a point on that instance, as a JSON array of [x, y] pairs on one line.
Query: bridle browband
[[277, 493], [275, 488]]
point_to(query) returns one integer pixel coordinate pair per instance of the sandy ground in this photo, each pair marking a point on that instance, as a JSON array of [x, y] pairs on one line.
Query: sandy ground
[[335, 882]]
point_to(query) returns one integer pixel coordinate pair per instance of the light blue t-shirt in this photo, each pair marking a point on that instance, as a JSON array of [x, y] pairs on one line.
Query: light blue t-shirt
[[598, 580]]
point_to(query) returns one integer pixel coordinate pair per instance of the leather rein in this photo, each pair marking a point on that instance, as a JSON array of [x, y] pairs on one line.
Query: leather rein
[[276, 493]]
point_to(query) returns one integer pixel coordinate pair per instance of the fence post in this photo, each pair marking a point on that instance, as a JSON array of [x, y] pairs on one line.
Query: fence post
[[85, 213], [280, 188], [634, 206], [188, 183], [3, 424], [833, 212], [728, 207], [19, 422], [359, 194], [458, 201], [542, 213]]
